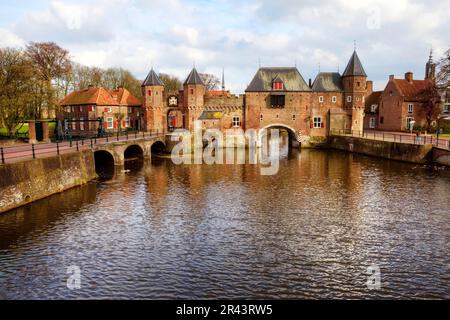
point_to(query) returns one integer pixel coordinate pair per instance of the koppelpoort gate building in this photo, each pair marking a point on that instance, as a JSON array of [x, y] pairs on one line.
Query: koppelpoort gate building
[[275, 98]]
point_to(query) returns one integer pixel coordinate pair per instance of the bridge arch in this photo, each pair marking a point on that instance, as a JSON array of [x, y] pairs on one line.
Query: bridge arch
[[158, 147], [104, 163], [294, 139], [133, 152]]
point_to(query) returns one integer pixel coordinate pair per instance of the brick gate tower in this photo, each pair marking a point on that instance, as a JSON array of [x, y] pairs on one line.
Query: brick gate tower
[[354, 83], [153, 93], [193, 96]]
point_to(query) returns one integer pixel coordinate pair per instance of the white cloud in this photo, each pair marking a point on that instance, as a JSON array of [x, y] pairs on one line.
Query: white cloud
[[392, 36], [9, 39]]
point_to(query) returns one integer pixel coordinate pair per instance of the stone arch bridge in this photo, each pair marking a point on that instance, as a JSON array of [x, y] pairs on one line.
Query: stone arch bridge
[[120, 151]]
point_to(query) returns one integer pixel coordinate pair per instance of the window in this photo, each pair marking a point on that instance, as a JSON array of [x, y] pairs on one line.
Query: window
[[127, 122], [349, 98], [373, 108], [410, 108], [109, 123], [72, 109], [333, 99], [68, 109], [277, 101], [358, 84], [130, 110], [317, 122], [381, 120], [278, 115], [278, 85], [390, 93], [236, 121], [321, 99], [261, 117], [409, 125], [372, 123], [74, 124], [149, 92], [446, 107], [192, 91], [293, 117], [82, 124]]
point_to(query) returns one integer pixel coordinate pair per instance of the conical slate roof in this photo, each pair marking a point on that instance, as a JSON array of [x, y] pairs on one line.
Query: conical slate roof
[[354, 67], [152, 80], [194, 78]]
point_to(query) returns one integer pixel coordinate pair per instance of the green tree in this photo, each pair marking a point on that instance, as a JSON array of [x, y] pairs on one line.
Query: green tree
[[16, 88]]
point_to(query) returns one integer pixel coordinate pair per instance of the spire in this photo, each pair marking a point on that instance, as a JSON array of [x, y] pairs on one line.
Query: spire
[[430, 68], [152, 79], [223, 79], [194, 78], [354, 67]]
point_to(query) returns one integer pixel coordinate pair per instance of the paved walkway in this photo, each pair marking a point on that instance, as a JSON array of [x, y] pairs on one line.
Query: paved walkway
[[400, 137], [42, 150]]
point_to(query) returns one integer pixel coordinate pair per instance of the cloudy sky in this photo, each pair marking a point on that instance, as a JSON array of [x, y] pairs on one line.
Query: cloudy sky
[[392, 36]]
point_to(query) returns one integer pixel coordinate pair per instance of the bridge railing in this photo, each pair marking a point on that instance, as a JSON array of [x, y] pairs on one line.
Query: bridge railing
[[40, 150], [395, 137]]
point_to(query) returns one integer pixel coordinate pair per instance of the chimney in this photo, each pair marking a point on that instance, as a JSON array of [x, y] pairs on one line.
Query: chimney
[[369, 87], [391, 77], [409, 77], [310, 83]]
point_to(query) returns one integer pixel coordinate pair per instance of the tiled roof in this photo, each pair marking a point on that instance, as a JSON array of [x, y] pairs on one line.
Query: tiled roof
[[218, 93], [194, 78], [327, 81], [414, 90], [354, 67], [152, 80], [89, 96], [291, 78], [124, 97]]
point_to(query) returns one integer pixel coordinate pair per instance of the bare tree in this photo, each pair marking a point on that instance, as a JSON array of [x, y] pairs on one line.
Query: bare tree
[[443, 75], [51, 62], [171, 83], [16, 88], [432, 107], [211, 81]]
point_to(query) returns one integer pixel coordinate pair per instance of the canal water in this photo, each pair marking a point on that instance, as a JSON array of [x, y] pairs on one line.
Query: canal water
[[226, 231]]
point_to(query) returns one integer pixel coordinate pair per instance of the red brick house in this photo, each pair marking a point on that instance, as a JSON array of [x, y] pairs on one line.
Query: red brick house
[[89, 111], [402, 102]]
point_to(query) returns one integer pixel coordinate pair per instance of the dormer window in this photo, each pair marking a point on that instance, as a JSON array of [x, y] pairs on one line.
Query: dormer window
[[277, 85]]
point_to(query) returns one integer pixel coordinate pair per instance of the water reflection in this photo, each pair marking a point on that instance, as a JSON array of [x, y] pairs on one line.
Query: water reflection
[[159, 230]]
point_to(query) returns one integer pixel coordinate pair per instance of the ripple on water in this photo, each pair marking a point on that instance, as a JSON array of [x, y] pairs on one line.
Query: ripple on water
[[170, 231]]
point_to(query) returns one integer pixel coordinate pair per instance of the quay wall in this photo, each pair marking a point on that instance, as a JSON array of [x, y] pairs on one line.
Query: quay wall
[[31, 180], [421, 154]]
